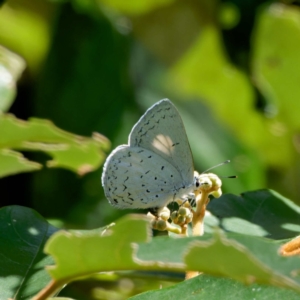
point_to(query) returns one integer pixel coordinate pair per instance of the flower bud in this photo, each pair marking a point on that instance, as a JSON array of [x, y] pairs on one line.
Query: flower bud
[[161, 225], [174, 215], [183, 211]]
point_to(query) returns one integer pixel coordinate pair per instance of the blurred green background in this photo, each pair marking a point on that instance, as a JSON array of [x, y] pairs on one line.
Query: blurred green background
[[231, 67]]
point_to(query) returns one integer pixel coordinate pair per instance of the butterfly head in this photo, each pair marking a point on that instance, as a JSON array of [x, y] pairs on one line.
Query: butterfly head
[[209, 183]]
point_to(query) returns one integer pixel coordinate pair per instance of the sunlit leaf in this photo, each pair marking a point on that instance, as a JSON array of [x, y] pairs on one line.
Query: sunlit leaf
[[276, 63], [69, 151], [245, 259], [113, 249], [206, 72], [14, 162], [126, 246]]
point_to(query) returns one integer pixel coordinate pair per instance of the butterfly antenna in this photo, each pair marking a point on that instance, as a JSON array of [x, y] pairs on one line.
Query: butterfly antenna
[[233, 176], [221, 164]]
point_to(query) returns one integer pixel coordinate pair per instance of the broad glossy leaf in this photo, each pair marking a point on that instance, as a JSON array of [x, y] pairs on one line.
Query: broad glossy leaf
[[260, 213], [23, 235], [205, 287]]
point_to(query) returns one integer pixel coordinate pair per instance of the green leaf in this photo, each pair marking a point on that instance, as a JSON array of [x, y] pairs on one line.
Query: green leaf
[[126, 246], [245, 259], [23, 235], [234, 93], [76, 153], [260, 213], [205, 287], [11, 67], [113, 249], [13, 162], [276, 63]]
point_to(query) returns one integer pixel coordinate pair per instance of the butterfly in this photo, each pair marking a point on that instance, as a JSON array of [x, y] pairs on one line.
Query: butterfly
[[156, 166]]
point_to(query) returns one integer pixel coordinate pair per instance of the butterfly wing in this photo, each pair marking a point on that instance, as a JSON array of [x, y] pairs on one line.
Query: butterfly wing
[[134, 177], [161, 131]]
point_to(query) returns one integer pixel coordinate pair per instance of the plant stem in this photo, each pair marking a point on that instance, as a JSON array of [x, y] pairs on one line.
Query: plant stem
[[202, 200], [48, 291], [198, 215]]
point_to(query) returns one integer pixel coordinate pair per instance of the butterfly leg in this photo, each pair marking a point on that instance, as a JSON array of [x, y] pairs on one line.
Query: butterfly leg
[[180, 201], [191, 198]]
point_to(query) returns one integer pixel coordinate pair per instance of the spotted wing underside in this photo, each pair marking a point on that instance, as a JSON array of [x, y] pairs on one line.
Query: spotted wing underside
[[162, 131], [134, 177]]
